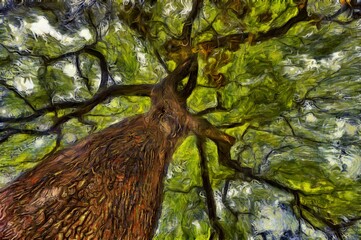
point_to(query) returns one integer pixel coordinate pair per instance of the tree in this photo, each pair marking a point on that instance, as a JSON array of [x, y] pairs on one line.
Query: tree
[[180, 120]]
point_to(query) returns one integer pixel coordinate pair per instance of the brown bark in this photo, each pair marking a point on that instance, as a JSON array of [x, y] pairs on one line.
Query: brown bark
[[109, 185]]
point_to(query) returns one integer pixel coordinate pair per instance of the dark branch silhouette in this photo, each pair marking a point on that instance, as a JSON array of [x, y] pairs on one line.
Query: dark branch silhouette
[[110, 184], [207, 186]]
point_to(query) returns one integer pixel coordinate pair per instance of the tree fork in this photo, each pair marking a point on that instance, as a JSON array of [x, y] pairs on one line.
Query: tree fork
[[110, 184]]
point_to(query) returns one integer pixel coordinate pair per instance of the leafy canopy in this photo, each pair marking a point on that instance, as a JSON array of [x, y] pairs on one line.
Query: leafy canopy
[[286, 86]]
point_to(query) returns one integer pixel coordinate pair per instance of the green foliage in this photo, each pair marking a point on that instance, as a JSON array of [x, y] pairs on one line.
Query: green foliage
[[23, 152], [184, 211], [292, 103], [202, 98], [115, 110]]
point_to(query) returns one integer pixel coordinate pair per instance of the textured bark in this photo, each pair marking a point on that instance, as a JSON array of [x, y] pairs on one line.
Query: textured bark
[[108, 186]]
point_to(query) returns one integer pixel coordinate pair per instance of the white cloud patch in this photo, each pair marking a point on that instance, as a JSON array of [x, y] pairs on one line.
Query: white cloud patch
[[340, 128], [168, 9], [18, 36], [69, 69], [42, 27], [39, 142], [85, 33], [25, 85], [310, 117], [187, 7], [304, 63], [273, 218]]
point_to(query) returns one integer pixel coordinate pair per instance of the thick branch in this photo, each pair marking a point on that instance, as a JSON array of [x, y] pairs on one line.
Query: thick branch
[[201, 127], [86, 106], [233, 40], [188, 24], [279, 31], [115, 90], [182, 71], [207, 186], [191, 84], [81, 107]]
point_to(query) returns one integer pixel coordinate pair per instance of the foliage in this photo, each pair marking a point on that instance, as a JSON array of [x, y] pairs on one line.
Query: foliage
[[289, 95]]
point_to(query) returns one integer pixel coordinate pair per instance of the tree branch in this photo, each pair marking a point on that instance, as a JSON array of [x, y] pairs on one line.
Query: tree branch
[[115, 90], [247, 174], [17, 93], [59, 137], [191, 84], [201, 127], [78, 67], [207, 186], [103, 66], [336, 229], [235, 213], [232, 41], [12, 131], [182, 70], [188, 24], [213, 110], [88, 50], [301, 16], [86, 106]]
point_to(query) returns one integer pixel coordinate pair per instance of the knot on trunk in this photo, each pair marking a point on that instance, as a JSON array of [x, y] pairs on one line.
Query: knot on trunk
[[171, 123]]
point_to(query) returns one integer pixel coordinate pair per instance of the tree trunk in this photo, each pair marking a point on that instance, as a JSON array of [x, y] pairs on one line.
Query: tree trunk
[[108, 186]]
